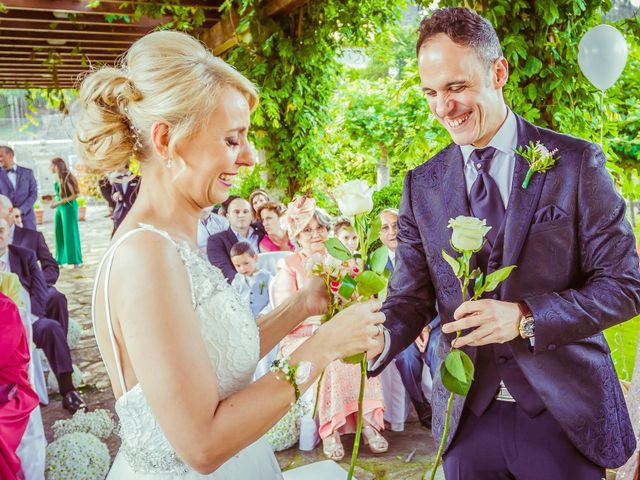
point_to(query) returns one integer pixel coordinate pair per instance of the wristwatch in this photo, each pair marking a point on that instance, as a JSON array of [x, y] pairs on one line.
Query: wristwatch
[[527, 325]]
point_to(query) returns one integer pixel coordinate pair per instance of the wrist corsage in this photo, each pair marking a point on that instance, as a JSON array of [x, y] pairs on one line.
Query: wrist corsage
[[295, 375]]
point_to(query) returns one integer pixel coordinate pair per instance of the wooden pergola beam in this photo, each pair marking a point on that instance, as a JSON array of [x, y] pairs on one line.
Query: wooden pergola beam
[[106, 7], [88, 29], [74, 37], [222, 36]]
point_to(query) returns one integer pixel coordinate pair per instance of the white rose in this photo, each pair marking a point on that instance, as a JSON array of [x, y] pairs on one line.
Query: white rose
[[468, 233], [354, 197]]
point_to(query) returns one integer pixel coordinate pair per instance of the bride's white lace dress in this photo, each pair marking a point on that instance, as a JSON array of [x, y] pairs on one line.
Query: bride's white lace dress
[[231, 338]]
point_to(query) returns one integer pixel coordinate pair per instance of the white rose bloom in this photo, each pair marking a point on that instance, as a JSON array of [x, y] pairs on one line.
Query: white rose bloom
[[354, 197], [468, 233]]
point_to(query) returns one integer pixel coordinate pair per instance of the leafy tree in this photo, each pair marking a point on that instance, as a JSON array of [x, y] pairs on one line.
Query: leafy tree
[[294, 60]]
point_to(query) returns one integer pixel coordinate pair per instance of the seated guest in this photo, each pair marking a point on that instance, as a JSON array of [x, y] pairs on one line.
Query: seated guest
[[56, 303], [338, 396], [209, 223], [238, 212], [343, 231], [16, 216], [258, 198], [408, 362], [276, 238], [48, 334], [124, 191], [17, 398], [251, 283]]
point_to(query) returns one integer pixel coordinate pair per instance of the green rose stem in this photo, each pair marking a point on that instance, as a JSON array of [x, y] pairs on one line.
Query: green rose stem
[[464, 284], [356, 443], [527, 178]]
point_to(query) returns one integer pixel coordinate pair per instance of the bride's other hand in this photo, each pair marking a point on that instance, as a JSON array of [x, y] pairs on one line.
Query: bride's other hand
[[354, 330], [316, 298]]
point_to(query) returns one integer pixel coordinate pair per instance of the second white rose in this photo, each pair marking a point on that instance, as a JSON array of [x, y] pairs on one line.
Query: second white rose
[[468, 233], [354, 197]]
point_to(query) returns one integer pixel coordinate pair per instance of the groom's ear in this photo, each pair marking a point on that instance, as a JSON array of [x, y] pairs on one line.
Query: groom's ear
[[500, 72]]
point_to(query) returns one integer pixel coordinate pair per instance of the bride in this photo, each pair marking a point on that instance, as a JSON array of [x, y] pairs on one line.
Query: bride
[[179, 345]]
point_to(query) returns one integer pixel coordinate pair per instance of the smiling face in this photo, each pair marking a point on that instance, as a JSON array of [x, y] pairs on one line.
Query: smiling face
[[312, 237], [214, 154], [464, 93]]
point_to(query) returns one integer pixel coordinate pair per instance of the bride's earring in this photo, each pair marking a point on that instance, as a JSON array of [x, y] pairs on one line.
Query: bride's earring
[[169, 163]]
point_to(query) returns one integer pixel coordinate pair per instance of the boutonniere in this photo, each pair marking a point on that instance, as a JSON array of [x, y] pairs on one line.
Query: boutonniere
[[539, 157], [261, 285]]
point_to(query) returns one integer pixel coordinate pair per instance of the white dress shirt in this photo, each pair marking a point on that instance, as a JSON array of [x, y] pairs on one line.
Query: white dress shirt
[[12, 176], [5, 262]]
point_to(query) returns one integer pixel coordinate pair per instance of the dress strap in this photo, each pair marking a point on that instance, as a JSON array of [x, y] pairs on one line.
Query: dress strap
[[108, 260]]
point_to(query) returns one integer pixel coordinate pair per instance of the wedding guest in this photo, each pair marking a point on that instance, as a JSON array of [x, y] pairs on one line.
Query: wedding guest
[[124, 191], [179, 345], [209, 223], [343, 231], [543, 369], [276, 238], [48, 334], [104, 184], [16, 216], [241, 229], [338, 396], [19, 184], [250, 282], [17, 397], [68, 248], [56, 303], [258, 198], [409, 362]]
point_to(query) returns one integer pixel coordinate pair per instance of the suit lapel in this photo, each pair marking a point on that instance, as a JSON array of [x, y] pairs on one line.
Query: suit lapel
[[4, 180], [453, 185], [522, 202]]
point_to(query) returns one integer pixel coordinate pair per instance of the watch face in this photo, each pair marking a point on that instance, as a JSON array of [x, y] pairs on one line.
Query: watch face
[[528, 327]]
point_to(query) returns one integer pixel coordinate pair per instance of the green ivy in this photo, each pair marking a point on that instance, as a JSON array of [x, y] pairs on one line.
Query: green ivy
[[294, 60]]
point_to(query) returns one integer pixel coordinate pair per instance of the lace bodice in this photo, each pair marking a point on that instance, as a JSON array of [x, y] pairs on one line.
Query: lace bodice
[[232, 342]]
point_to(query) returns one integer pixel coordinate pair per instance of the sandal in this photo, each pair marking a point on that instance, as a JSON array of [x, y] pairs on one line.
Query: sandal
[[332, 447], [377, 443]]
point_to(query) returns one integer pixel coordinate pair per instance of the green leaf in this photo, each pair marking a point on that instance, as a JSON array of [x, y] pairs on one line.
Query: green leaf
[[370, 283], [379, 259], [347, 286], [495, 278], [454, 384], [475, 274], [478, 285], [453, 263], [453, 364], [374, 231], [386, 274], [337, 249]]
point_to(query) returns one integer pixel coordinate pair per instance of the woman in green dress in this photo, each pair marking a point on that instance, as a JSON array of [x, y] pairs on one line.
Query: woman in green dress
[[68, 251]]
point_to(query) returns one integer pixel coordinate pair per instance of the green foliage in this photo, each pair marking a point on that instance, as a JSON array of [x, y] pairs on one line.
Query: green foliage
[[293, 60], [247, 180], [388, 196], [457, 372]]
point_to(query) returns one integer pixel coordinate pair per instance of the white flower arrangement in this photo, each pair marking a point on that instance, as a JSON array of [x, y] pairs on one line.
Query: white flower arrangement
[[78, 456], [76, 378], [73, 333], [99, 423]]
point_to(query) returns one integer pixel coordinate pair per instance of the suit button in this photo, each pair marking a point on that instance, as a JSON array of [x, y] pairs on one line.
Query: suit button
[[502, 360], [551, 347]]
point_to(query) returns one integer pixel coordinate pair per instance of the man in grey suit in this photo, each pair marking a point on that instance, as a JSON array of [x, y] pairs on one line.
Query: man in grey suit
[[19, 184], [545, 402]]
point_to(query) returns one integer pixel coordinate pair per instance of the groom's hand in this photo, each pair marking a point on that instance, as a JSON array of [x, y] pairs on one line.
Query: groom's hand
[[492, 321]]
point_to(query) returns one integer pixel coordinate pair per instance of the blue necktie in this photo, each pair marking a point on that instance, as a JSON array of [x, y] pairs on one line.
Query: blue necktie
[[484, 199]]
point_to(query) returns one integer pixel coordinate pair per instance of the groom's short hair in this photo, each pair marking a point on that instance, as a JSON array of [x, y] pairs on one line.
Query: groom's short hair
[[464, 27]]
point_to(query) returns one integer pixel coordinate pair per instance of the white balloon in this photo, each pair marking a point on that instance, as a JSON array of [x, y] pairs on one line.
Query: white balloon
[[602, 55]]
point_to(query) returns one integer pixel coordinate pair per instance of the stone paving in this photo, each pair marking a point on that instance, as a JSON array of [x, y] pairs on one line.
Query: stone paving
[[411, 453]]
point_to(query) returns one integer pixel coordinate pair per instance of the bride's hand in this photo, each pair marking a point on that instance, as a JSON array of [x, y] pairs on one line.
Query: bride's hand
[[315, 296], [354, 330]]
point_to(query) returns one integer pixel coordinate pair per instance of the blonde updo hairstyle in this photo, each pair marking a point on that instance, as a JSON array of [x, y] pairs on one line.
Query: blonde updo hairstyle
[[165, 76]]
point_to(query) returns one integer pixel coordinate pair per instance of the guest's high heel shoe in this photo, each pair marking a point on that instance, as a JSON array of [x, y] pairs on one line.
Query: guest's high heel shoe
[[377, 443], [332, 447]]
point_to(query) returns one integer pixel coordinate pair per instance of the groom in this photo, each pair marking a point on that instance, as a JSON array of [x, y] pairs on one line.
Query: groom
[[546, 402]]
